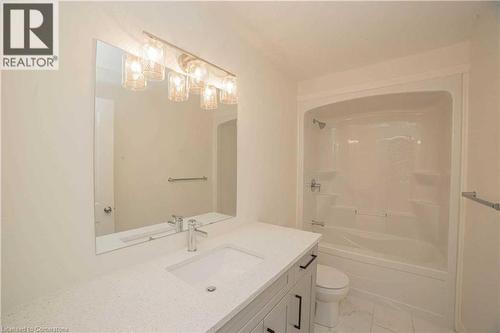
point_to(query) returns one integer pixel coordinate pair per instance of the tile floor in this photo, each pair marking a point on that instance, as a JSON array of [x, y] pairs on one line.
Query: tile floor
[[358, 315]]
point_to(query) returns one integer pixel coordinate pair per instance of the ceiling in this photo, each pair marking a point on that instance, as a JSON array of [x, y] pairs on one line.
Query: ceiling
[[309, 39]]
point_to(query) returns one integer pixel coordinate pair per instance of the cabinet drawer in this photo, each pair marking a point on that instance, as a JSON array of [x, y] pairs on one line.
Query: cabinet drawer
[[305, 264]]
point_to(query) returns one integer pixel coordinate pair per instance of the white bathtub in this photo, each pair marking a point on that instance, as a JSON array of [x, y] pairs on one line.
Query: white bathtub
[[389, 269], [385, 246]]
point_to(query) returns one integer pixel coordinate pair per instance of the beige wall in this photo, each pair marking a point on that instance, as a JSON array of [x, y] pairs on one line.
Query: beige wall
[[226, 167], [481, 268], [155, 139], [47, 143]]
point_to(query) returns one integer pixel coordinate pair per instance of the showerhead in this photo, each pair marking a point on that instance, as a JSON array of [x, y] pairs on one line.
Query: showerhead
[[321, 124]]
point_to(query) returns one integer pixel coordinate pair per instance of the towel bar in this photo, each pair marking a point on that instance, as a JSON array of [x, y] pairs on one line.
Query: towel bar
[[186, 179], [473, 196]]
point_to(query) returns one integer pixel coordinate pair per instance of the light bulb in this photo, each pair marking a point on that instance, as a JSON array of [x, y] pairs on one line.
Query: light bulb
[[136, 67], [229, 91], [208, 100], [153, 60], [197, 76], [229, 87], [177, 87], [177, 81], [132, 74], [198, 73], [152, 53]]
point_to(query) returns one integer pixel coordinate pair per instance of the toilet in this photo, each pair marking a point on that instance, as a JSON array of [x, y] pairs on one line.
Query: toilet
[[332, 286]]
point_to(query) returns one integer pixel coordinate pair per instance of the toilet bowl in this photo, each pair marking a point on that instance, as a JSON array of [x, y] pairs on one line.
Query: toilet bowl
[[332, 286]]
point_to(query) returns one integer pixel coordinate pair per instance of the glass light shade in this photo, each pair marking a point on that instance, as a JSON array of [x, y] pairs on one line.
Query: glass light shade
[[208, 100], [197, 75], [229, 91], [132, 75], [153, 60], [177, 87]]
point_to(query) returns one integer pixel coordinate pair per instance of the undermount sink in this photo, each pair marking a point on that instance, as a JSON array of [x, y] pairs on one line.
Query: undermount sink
[[218, 265]]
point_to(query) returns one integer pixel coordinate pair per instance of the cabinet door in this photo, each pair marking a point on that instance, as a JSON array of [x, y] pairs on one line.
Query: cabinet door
[[299, 305], [275, 321], [259, 328]]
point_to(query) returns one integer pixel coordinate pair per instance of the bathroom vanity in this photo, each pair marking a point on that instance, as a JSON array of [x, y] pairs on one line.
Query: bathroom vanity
[[174, 181], [286, 306], [264, 277]]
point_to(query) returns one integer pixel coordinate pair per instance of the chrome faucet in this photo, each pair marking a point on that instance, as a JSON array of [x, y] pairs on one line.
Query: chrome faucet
[[176, 221], [315, 186], [192, 231]]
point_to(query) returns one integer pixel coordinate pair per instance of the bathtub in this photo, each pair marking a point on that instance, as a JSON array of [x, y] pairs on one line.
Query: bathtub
[[402, 272], [389, 247], [388, 164]]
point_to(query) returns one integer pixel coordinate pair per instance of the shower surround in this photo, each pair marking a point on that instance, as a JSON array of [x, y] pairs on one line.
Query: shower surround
[[384, 166]]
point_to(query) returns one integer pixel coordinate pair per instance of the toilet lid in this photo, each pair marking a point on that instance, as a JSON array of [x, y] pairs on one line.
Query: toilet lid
[[331, 278]]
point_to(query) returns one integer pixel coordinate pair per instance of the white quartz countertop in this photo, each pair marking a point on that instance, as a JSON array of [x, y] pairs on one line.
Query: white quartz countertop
[[147, 298]]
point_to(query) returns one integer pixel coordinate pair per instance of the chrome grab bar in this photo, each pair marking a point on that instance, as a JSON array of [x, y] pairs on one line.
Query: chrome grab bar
[[172, 180], [314, 222], [381, 214], [473, 197]]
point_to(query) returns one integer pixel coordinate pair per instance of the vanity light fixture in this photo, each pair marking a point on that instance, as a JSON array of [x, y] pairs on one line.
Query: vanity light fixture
[[190, 74], [208, 100], [229, 91], [132, 73], [177, 87], [153, 59], [197, 76]]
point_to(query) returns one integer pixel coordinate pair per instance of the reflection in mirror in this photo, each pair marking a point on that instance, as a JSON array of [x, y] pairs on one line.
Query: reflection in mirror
[[158, 162]]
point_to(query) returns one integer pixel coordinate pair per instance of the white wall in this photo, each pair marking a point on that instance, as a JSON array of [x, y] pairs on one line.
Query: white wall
[[47, 143], [392, 71], [481, 267]]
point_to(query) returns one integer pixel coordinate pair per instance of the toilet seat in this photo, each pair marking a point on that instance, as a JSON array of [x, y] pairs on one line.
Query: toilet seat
[[330, 278]]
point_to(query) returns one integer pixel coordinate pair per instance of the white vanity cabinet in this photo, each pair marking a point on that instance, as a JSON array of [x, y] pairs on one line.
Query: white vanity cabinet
[[301, 304], [275, 321], [286, 306]]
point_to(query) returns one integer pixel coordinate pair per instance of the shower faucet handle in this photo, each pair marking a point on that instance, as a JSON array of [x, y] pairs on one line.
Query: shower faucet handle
[[314, 185]]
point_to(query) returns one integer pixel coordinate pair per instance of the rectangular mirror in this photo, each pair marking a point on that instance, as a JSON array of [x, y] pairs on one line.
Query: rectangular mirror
[[155, 157]]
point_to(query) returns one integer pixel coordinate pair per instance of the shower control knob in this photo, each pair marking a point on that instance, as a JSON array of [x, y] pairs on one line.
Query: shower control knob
[[315, 186], [108, 210]]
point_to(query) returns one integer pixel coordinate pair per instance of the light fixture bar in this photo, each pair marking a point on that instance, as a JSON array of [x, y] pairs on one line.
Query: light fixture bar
[[150, 35]]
